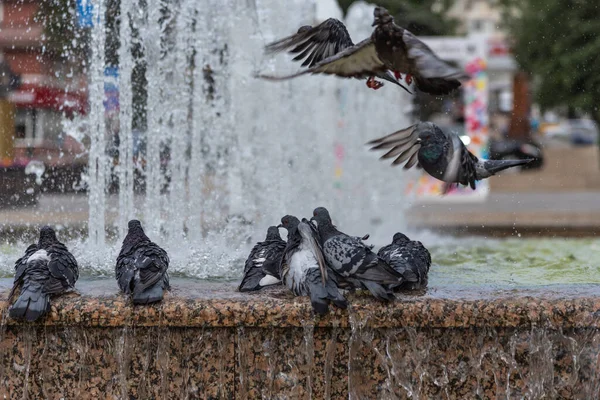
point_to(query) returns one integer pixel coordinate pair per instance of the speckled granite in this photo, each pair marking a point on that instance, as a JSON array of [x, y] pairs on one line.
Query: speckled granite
[[209, 342]]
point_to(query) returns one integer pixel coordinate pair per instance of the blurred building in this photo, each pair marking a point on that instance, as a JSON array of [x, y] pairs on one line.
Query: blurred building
[[483, 18], [49, 89]]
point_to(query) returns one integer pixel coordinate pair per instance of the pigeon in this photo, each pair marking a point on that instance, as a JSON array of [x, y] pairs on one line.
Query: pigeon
[[262, 266], [410, 258], [47, 268], [315, 44], [303, 269], [390, 47], [352, 260], [141, 268], [441, 154]]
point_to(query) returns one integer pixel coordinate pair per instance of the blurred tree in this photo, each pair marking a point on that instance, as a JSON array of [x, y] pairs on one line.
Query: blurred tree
[[558, 41], [421, 17]]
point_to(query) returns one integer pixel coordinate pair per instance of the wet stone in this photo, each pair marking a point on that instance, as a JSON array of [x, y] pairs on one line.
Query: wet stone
[[214, 343]]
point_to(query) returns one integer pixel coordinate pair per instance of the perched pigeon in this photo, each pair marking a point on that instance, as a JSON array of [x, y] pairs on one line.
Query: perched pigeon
[[352, 260], [141, 267], [314, 44], [408, 257], [390, 47], [442, 155], [47, 268], [262, 266], [303, 269]]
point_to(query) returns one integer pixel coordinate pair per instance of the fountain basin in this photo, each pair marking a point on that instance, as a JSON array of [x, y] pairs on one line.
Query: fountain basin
[[208, 341]]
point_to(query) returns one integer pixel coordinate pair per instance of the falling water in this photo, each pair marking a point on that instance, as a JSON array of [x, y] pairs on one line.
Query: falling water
[[227, 154]]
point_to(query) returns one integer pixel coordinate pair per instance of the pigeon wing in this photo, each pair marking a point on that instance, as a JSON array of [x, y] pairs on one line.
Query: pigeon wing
[[427, 63], [358, 61], [273, 258], [21, 264], [63, 269], [403, 145], [314, 44], [152, 263]]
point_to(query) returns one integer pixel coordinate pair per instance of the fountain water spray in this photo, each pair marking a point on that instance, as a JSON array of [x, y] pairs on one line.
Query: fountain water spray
[[226, 155]]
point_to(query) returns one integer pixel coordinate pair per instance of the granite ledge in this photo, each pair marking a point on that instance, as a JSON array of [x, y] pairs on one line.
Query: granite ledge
[[218, 305]]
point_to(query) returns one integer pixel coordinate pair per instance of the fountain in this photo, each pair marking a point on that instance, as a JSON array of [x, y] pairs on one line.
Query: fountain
[[242, 153]]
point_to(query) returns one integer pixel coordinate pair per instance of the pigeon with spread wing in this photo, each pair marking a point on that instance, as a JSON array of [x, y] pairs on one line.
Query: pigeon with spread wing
[[328, 50], [441, 154]]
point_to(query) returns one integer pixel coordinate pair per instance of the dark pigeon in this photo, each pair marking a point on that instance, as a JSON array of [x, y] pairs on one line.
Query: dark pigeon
[[142, 265], [390, 48], [303, 269], [47, 268], [262, 266], [352, 260], [315, 44], [441, 154], [410, 258]]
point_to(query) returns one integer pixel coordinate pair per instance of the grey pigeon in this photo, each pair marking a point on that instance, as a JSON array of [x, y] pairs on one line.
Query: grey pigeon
[[441, 154], [303, 269], [141, 268], [352, 260], [390, 47], [262, 266], [315, 44], [47, 268], [410, 258]]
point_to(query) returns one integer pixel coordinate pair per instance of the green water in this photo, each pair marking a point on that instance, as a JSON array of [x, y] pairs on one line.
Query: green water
[[457, 262], [515, 262]]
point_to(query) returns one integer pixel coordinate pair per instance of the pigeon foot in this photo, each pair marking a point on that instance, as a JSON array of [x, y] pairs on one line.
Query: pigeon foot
[[374, 84]]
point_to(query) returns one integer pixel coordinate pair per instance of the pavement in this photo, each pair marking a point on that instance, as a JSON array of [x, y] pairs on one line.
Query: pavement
[[567, 213]]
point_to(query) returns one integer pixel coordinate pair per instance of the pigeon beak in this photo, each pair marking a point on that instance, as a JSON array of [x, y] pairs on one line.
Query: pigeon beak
[[314, 222], [375, 22], [279, 226]]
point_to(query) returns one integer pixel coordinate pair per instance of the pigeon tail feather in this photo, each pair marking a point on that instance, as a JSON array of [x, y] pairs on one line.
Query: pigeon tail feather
[[322, 294], [30, 305], [495, 166], [378, 291], [150, 295]]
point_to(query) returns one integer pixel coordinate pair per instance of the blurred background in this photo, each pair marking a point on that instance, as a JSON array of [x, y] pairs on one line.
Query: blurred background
[[543, 94]]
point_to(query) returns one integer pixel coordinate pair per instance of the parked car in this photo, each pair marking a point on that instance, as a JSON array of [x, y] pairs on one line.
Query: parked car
[[513, 149], [578, 132]]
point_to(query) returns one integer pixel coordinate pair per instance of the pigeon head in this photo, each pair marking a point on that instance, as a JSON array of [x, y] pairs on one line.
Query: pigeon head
[[47, 236], [135, 232], [321, 217], [273, 233], [432, 141], [381, 16], [289, 222], [134, 223], [400, 238]]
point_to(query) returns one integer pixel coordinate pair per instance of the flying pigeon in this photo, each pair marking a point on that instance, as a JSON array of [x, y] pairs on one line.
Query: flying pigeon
[[303, 269], [352, 260], [141, 268], [410, 258], [390, 47], [47, 268], [441, 154], [262, 266], [315, 44]]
